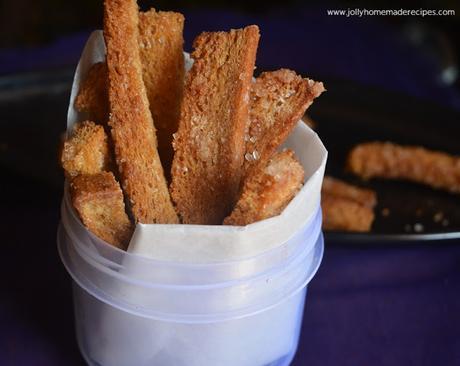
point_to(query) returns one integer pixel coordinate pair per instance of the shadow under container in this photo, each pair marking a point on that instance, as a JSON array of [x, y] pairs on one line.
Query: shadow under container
[[133, 310]]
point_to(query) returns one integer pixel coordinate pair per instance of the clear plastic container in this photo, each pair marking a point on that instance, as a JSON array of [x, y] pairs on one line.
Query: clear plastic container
[[245, 313]]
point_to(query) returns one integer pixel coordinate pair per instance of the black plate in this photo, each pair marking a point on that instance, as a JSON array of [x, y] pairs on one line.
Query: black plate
[[349, 114], [34, 106]]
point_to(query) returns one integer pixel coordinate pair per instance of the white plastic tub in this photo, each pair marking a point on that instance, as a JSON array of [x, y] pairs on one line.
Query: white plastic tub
[[199, 295], [245, 313]]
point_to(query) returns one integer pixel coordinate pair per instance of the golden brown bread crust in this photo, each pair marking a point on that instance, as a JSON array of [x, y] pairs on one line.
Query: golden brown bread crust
[[131, 123], [340, 189], [86, 151], [209, 144], [414, 163], [161, 50], [278, 101], [99, 202], [268, 190], [92, 96], [343, 214]]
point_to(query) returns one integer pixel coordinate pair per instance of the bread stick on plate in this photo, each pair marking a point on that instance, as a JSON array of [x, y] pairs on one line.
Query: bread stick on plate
[[414, 163], [340, 189], [343, 214]]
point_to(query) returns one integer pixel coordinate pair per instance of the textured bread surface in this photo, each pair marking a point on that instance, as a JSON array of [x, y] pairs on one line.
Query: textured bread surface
[[131, 123], [268, 190], [336, 187], [278, 100], [161, 51], [92, 96], [209, 145], [343, 214], [417, 164], [86, 151], [98, 200]]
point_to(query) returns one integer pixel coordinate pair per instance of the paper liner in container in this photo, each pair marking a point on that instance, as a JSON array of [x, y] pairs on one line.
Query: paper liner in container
[[243, 248]]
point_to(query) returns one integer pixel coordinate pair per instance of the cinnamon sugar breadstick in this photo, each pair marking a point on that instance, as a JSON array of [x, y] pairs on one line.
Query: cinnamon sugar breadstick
[[209, 145], [131, 123], [161, 51], [268, 190], [99, 202], [278, 100]]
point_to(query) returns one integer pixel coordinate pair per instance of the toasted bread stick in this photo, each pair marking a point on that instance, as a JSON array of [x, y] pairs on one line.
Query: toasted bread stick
[[390, 161], [161, 50], [209, 145], [278, 101], [268, 190], [344, 214], [340, 189], [92, 96], [86, 151], [131, 123], [99, 202]]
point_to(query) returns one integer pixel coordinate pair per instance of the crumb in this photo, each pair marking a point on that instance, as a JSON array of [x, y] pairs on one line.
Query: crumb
[[418, 228], [414, 163], [407, 228], [438, 216], [445, 222], [385, 212], [418, 212]]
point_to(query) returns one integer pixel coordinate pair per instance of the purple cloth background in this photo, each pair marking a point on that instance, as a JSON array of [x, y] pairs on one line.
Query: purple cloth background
[[366, 306]]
